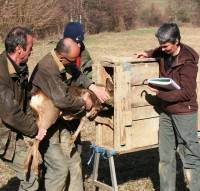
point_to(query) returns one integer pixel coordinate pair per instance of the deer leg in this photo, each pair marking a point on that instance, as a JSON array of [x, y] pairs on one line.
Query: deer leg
[[78, 130], [105, 121], [36, 157], [28, 159]]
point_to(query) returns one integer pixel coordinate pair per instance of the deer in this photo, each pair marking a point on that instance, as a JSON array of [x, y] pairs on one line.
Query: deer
[[47, 114]]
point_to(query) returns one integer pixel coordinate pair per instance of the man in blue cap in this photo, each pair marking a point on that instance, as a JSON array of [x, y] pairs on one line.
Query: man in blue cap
[[74, 30]]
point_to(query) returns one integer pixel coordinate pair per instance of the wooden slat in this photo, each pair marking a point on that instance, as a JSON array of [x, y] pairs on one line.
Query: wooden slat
[[119, 101], [99, 135], [99, 79], [102, 75], [143, 133], [143, 71], [145, 112], [137, 149], [104, 134], [108, 136], [117, 106], [132, 60]]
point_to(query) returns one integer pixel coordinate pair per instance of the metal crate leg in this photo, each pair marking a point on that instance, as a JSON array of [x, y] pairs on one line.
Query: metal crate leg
[[98, 184]]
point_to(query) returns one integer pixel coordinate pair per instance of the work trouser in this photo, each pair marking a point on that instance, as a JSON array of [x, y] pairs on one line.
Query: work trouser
[[29, 182], [73, 159], [179, 132], [61, 159]]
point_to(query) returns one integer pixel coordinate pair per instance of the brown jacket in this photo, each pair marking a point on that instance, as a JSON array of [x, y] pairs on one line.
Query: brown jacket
[[184, 72], [54, 79], [15, 122]]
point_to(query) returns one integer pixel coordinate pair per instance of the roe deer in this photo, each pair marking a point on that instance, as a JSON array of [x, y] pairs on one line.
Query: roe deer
[[47, 115]]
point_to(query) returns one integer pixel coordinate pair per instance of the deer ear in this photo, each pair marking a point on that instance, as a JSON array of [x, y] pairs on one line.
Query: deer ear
[[109, 85]]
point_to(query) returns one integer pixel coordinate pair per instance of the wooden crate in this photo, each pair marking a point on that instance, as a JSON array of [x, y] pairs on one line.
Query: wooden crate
[[136, 109]]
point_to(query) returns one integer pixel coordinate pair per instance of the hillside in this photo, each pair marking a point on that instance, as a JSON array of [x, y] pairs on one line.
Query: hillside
[[47, 18], [162, 4]]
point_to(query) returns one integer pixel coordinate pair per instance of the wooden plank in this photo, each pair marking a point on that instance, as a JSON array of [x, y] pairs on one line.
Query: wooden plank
[[139, 71], [99, 135], [99, 79], [117, 107], [119, 103], [101, 74], [104, 135], [143, 71], [138, 149], [143, 133], [107, 136], [126, 102], [132, 60], [145, 112], [122, 100]]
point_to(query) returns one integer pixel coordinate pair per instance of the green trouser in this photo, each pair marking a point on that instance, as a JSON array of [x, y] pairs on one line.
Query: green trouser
[[73, 160], [29, 183], [56, 169], [179, 133], [61, 159]]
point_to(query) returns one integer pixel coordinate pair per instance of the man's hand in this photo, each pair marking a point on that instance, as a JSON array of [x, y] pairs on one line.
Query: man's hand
[[41, 134], [153, 89], [100, 92], [141, 55], [88, 101]]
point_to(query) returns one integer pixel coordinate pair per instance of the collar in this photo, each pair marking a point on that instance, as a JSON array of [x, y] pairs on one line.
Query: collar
[[11, 69], [57, 61], [179, 60], [16, 70], [61, 67]]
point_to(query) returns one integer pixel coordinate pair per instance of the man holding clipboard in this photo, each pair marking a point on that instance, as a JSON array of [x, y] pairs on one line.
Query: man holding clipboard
[[178, 119]]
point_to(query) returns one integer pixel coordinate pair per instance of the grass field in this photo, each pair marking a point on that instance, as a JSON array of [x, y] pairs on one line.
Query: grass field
[[136, 171]]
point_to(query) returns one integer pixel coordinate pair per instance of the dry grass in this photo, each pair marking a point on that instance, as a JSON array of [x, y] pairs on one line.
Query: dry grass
[[136, 171]]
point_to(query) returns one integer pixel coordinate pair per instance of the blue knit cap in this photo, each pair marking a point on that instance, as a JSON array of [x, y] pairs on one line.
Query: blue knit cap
[[74, 30]]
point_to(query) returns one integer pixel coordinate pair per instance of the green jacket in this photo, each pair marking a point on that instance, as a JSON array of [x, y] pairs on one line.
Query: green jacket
[[54, 79], [86, 63], [15, 122]]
